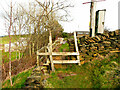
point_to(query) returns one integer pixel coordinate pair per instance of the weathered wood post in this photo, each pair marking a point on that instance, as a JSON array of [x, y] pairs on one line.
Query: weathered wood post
[[33, 48], [92, 18], [51, 59], [37, 59], [76, 46], [46, 52]]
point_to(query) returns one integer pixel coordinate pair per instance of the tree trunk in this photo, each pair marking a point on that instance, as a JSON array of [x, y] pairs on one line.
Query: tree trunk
[[33, 48], [10, 45], [16, 55], [30, 49], [19, 55]]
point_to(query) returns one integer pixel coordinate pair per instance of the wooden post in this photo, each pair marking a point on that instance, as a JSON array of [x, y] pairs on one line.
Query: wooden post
[[37, 59], [30, 49], [92, 18], [51, 59], [46, 52], [76, 47], [33, 48]]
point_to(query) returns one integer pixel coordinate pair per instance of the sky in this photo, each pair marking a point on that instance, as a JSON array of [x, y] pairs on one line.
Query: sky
[[80, 15]]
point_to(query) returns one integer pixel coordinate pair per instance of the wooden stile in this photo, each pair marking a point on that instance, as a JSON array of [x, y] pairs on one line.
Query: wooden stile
[[50, 53]]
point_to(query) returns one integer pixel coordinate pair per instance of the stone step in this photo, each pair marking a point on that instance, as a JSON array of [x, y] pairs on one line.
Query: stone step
[[30, 87], [34, 77], [36, 74]]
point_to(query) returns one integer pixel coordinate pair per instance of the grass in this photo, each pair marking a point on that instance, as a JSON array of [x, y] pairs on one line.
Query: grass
[[64, 46], [5, 56], [95, 74], [18, 80]]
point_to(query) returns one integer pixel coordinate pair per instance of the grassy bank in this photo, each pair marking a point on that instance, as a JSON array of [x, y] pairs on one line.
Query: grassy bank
[[95, 74], [18, 80]]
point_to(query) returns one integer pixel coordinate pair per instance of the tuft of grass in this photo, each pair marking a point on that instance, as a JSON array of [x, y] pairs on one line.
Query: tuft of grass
[[18, 80]]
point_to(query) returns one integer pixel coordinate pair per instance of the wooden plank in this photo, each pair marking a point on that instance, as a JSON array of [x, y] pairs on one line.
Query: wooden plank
[[42, 48], [65, 61], [55, 46], [65, 53], [37, 60], [59, 53], [79, 36], [47, 53], [46, 64]]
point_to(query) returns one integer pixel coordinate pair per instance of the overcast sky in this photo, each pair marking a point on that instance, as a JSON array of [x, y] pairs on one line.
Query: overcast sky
[[80, 15]]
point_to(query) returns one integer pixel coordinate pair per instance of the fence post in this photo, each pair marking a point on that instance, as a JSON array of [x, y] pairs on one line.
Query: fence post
[[51, 59], [92, 18], [33, 48], [37, 59], [76, 46]]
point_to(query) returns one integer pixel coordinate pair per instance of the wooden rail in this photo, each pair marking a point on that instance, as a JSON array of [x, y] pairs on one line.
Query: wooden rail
[[59, 53], [65, 61]]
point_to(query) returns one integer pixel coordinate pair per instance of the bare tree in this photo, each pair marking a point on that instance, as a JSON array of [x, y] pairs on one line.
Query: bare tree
[[9, 30], [38, 22]]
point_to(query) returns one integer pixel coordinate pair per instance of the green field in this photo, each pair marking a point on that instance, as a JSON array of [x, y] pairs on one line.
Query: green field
[[5, 39]]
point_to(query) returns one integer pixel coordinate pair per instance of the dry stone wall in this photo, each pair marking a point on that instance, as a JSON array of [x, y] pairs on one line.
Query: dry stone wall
[[97, 47]]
